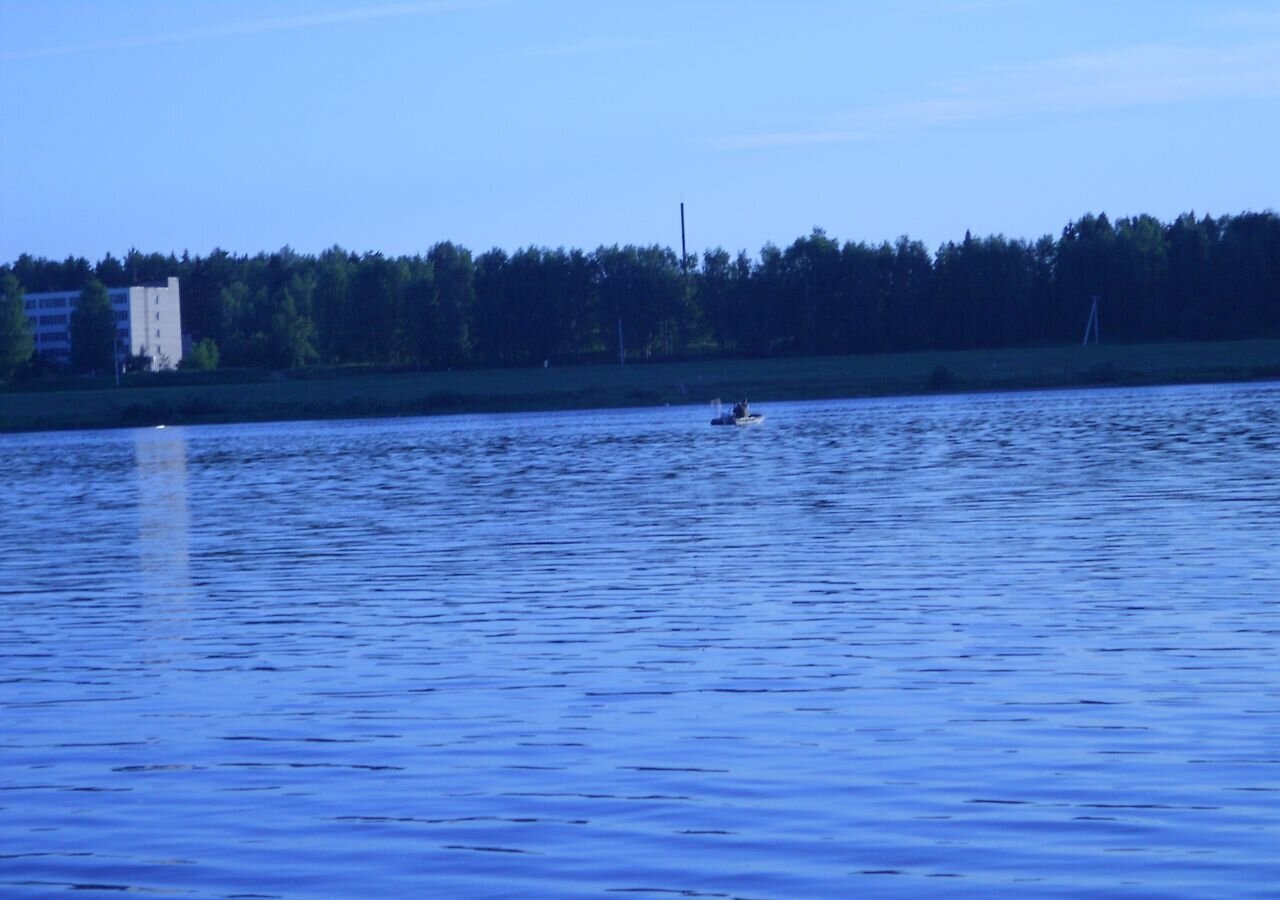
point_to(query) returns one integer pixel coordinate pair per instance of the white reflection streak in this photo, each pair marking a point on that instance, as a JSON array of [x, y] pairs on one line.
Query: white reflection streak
[[163, 540]]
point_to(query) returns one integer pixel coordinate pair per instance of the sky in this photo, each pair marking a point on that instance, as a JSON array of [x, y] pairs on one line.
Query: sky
[[387, 127]]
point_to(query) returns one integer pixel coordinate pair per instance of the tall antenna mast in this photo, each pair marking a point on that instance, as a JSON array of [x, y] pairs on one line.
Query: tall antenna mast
[[684, 254]]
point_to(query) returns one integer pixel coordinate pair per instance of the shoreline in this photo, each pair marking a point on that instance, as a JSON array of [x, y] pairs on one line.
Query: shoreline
[[253, 396]]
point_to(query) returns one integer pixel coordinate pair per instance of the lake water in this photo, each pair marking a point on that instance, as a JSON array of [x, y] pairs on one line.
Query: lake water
[[1025, 645]]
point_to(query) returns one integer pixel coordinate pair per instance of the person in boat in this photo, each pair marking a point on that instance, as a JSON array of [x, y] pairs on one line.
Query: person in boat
[[741, 409]]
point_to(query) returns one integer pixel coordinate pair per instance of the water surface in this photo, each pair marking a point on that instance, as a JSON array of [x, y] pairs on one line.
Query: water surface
[[1025, 644]]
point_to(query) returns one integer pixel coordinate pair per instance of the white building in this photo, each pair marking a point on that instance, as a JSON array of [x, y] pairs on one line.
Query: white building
[[148, 322]]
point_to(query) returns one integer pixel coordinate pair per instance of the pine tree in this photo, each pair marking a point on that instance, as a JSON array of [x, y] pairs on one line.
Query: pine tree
[[16, 341]]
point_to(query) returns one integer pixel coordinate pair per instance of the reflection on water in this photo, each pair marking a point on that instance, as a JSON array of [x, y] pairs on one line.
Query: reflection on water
[[1016, 644], [160, 468]]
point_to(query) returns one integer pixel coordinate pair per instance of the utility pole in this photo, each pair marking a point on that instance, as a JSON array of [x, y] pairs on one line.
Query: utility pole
[[1092, 324]]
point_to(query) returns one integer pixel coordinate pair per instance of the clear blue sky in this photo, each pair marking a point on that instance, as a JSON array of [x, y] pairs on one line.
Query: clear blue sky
[[389, 126]]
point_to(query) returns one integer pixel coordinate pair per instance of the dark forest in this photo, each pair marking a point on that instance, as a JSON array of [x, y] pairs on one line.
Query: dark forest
[[1191, 279]]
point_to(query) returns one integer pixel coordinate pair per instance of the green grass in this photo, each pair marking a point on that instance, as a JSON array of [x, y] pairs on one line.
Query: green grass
[[253, 396]]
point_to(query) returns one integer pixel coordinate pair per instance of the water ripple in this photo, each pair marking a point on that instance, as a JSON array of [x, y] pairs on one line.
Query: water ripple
[[1008, 644]]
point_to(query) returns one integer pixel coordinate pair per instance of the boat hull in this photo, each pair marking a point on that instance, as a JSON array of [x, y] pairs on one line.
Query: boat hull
[[753, 419]]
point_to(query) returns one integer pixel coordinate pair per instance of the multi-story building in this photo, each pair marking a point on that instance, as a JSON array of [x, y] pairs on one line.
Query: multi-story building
[[148, 322]]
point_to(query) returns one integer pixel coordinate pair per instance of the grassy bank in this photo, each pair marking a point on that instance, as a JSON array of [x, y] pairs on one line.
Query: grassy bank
[[320, 395]]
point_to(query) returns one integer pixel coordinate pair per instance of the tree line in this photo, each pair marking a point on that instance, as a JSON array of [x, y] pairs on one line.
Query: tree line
[[1190, 279]]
